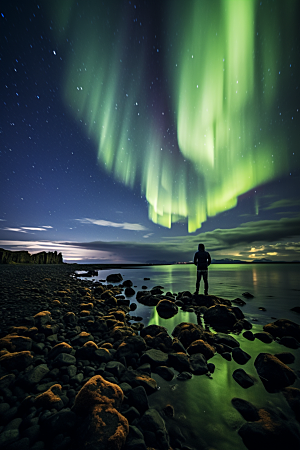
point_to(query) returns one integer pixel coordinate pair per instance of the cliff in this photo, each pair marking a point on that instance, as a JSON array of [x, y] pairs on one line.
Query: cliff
[[24, 257]]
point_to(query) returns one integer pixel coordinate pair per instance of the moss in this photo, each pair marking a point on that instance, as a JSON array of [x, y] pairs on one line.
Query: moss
[[97, 391]]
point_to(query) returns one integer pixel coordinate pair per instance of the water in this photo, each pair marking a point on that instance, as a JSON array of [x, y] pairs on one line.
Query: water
[[202, 405]]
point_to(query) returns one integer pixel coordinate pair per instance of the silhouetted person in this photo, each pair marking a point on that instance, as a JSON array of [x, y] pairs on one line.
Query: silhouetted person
[[202, 260]]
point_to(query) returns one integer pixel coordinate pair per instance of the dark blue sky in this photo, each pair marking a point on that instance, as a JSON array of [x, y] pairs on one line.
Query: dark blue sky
[[68, 185]]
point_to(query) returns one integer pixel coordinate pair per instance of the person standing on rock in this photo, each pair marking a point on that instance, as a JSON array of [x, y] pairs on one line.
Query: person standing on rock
[[202, 260]]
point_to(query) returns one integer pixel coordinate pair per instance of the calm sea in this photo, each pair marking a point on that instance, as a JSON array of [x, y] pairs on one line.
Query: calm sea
[[203, 409]]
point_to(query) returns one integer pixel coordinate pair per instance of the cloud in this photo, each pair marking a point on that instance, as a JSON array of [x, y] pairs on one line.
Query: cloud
[[20, 230], [284, 203], [106, 223], [27, 229], [148, 235], [274, 239]]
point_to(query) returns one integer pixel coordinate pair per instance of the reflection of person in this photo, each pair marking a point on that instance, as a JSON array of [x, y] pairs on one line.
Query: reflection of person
[[202, 260]]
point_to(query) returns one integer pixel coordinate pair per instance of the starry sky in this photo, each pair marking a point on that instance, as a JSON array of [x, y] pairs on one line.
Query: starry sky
[[130, 131]]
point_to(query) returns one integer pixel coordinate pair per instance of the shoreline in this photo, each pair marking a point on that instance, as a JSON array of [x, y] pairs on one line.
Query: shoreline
[[90, 332]]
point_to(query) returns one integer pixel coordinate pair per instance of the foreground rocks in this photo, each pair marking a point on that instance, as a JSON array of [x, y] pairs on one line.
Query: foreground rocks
[[78, 372]]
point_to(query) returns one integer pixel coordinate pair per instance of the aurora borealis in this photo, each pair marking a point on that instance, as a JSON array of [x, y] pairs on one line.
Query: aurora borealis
[[183, 111]]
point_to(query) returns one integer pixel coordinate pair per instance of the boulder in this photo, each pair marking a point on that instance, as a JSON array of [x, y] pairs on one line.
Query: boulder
[[135, 439], [165, 372], [35, 375], [273, 372], [154, 430], [137, 398], [154, 357], [166, 309], [14, 343], [225, 339], [97, 390], [285, 357], [290, 342], [239, 356], [129, 292], [179, 361], [271, 431], [102, 428], [70, 318], [222, 317], [188, 333], [130, 345], [242, 378], [152, 330], [247, 410], [263, 336], [51, 399], [292, 396], [42, 318], [101, 425], [114, 278], [64, 359], [17, 360], [203, 347], [283, 327], [198, 364], [62, 347]]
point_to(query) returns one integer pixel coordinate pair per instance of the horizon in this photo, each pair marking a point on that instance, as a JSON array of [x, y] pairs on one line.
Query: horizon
[[135, 130]]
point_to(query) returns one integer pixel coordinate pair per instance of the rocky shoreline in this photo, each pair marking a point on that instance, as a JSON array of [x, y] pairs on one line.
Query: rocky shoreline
[[77, 366]]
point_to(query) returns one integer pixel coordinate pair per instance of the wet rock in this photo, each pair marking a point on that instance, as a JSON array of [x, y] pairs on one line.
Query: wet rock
[[198, 364], [247, 295], [7, 380], [222, 317], [203, 347], [62, 347], [289, 341], [239, 356], [165, 372], [70, 318], [137, 398], [292, 396], [97, 391], [166, 309], [64, 359], [227, 356], [42, 318], [247, 410], [270, 431], [102, 428], [51, 399], [116, 368], [223, 338], [242, 378], [114, 278], [249, 335], [264, 337], [179, 361], [135, 439], [129, 292], [14, 343], [152, 330], [61, 422], [154, 430], [283, 327], [35, 375], [130, 345], [18, 360], [131, 414], [81, 339], [101, 425], [273, 373], [8, 437], [183, 376], [285, 357], [188, 333]]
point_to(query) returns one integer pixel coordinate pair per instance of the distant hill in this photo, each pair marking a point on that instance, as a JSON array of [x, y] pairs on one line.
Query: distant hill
[[228, 261], [24, 257]]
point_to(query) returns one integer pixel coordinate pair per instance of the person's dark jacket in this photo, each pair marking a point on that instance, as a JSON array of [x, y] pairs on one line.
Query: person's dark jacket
[[202, 259]]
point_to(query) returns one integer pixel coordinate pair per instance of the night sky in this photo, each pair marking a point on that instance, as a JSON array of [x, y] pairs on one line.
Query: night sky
[[130, 131]]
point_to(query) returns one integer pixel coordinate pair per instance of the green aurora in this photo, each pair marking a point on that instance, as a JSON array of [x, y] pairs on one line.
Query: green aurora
[[211, 131]]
